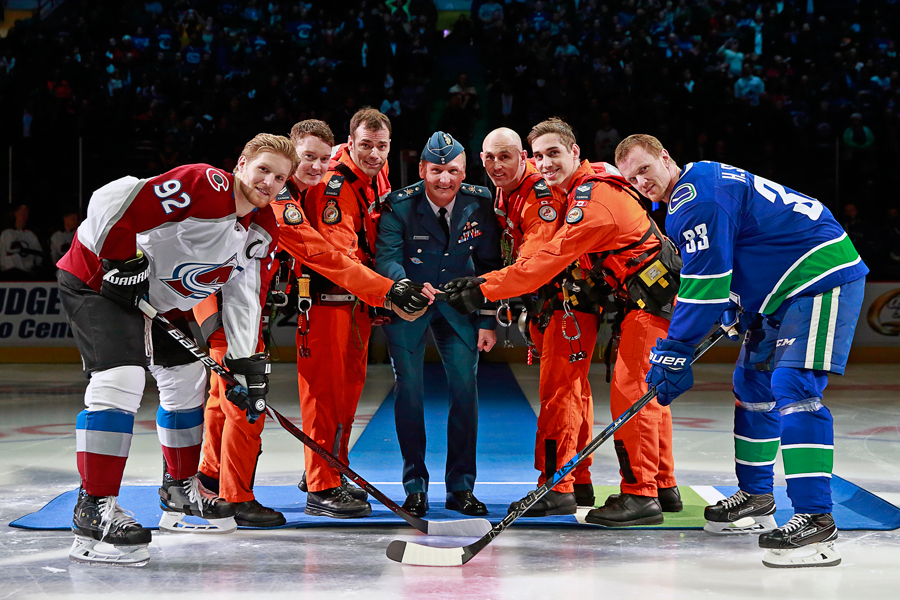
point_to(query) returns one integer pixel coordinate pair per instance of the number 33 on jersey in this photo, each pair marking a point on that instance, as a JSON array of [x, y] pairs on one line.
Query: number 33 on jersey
[[769, 242]]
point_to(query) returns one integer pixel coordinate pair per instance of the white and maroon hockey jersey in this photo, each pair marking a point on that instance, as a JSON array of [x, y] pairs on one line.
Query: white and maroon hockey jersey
[[186, 223]]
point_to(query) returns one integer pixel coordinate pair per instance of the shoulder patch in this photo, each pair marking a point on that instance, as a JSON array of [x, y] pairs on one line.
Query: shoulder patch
[[331, 214], [542, 190], [284, 194], [547, 213], [476, 190], [583, 191], [574, 216], [292, 214], [683, 194], [405, 193], [333, 187], [217, 180]]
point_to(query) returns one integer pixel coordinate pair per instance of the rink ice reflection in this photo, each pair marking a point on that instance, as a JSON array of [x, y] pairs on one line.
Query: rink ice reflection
[[37, 447]]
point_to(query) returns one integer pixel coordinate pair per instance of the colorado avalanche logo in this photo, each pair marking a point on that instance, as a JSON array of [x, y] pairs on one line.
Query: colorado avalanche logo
[[218, 181], [199, 280]]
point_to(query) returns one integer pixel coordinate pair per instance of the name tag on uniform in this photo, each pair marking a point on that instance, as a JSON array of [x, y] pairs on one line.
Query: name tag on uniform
[[421, 237]]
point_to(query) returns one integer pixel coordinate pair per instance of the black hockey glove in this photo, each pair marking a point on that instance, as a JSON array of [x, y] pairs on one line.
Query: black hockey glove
[[406, 296], [253, 384], [464, 294], [126, 282]]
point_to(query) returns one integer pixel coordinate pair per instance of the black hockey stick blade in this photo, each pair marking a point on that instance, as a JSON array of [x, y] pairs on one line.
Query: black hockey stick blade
[[460, 527], [410, 553]]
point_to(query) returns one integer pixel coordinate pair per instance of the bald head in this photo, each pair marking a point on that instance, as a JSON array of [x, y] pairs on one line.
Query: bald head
[[504, 158]]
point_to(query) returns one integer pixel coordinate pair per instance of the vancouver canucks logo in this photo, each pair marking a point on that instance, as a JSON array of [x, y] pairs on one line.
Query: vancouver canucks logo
[[199, 280], [681, 196]]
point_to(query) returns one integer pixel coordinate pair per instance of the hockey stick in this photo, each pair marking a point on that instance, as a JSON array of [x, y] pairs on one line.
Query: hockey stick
[[460, 527], [410, 553]]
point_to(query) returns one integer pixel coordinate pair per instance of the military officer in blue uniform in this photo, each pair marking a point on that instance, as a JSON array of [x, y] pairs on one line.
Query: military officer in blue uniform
[[436, 230]]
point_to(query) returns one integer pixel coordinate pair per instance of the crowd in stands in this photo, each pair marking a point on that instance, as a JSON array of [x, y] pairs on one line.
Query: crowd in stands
[[804, 92]]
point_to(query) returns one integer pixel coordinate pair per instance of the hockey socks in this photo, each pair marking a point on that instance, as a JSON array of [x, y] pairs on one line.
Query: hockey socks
[[180, 434], [102, 441]]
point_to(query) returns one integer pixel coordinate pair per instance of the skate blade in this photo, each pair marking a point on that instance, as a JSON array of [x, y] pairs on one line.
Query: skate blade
[[814, 555], [745, 525], [181, 523], [89, 551]]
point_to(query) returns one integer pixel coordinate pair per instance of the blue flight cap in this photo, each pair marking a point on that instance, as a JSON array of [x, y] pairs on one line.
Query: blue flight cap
[[441, 148]]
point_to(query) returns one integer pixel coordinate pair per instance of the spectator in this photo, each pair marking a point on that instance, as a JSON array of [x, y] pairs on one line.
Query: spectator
[[21, 255], [749, 87], [606, 140], [61, 240]]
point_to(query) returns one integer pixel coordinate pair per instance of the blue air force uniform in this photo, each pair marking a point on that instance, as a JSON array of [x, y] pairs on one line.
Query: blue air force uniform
[[412, 244]]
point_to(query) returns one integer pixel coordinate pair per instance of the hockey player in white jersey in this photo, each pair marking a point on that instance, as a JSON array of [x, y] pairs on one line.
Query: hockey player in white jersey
[[175, 238], [750, 243]]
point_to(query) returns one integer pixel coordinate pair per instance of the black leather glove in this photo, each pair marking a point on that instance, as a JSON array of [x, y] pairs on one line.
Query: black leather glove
[[406, 296], [253, 384], [464, 294], [126, 282]]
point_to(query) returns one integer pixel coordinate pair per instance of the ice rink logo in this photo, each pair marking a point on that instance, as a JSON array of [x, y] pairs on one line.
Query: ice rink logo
[[199, 280], [883, 315]]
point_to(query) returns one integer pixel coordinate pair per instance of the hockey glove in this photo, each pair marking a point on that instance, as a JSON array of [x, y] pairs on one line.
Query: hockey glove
[[406, 296], [733, 321], [464, 294], [253, 384], [670, 369], [126, 282]]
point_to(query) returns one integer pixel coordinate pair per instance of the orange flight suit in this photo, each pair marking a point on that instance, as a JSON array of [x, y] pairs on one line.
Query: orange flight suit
[[231, 444], [344, 210], [533, 213], [601, 216]]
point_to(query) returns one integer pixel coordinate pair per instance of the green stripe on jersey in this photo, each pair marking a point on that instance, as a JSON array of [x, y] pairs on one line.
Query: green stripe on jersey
[[802, 459], [705, 289], [824, 331], [826, 258], [755, 451]]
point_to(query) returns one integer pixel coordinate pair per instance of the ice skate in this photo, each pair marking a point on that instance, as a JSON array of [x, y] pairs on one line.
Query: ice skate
[[105, 533], [741, 513], [180, 498], [804, 541]]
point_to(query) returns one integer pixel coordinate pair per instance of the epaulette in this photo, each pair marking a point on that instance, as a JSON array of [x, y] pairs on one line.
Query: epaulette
[[476, 190], [334, 185], [542, 190], [288, 191], [405, 193]]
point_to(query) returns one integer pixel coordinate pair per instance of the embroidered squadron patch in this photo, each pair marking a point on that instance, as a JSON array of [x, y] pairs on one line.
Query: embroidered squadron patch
[[574, 216], [292, 215], [415, 261], [331, 214], [547, 213]]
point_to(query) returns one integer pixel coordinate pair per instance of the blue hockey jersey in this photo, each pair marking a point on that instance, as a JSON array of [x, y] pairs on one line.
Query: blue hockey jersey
[[753, 240]]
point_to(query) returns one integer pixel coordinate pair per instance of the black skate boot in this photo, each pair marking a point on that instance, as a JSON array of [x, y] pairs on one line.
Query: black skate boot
[[625, 510], [254, 514], [584, 494], [804, 541], [741, 513], [187, 497], [553, 503], [100, 519], [354, 491], [336, 503]]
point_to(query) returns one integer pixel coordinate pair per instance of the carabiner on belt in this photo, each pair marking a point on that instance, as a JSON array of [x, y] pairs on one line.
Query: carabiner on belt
[[568, 310], [504, 309]]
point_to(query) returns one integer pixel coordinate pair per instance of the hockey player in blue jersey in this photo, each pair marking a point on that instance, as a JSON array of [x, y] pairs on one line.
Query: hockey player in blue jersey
[[780, 257]]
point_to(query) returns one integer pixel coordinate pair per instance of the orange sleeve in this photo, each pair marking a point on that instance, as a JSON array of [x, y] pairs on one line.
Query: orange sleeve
[[539, 224], [306, 245], [594, 232]]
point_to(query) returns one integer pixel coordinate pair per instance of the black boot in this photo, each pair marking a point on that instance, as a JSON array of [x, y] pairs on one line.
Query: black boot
[[253, 514], [416, 504], [584, 494], [553, 503], [623, 510], [336, 503], [670, 499], [356, 492]]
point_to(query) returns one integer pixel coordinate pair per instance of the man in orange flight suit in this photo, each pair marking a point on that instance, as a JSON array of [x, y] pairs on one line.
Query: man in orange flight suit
[[344, 208], [232, 445], [531, 212], [613, 238]]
